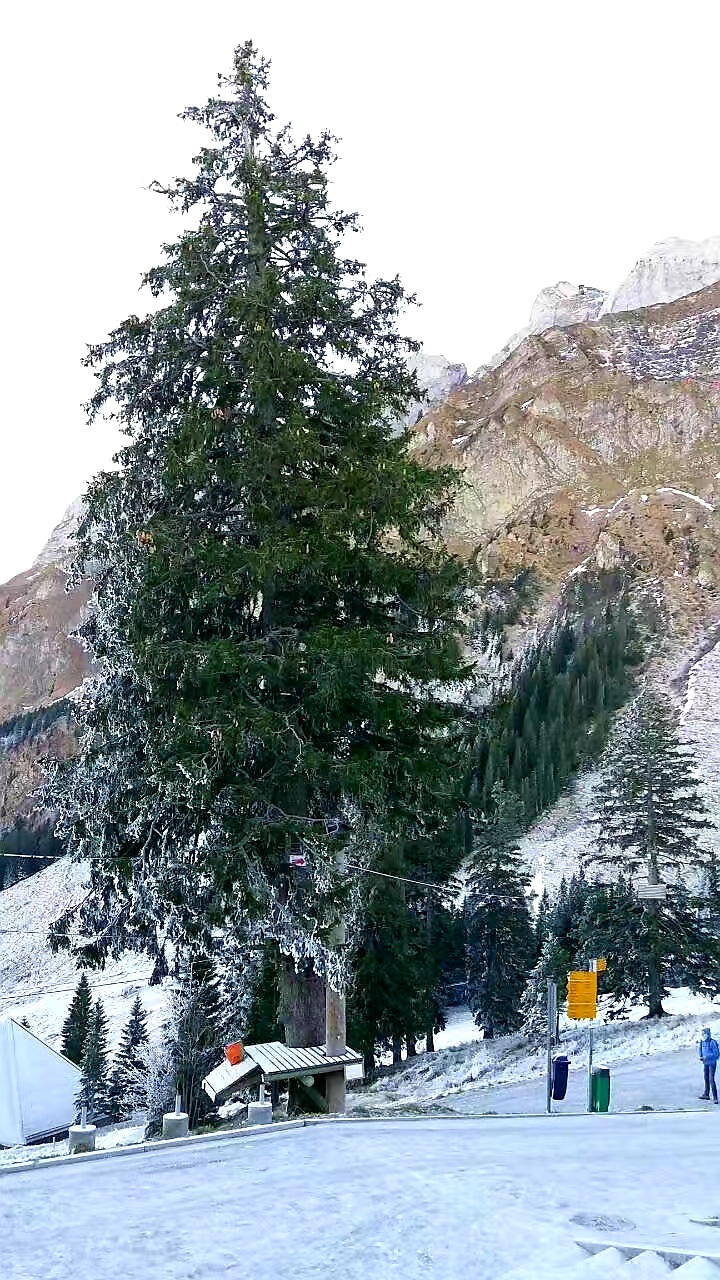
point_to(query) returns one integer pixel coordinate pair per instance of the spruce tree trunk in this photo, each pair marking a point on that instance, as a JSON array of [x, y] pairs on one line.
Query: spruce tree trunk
[[302, 1005], [396, 1050], [430, 1040], [302, 1016], [411, 1046], [655, 985]]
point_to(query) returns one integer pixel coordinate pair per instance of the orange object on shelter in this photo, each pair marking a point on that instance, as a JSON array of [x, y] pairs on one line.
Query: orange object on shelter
[[234, 1053]]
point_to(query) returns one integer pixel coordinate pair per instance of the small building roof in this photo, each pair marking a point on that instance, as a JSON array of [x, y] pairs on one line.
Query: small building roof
[[273, 1061], [279, 1061]]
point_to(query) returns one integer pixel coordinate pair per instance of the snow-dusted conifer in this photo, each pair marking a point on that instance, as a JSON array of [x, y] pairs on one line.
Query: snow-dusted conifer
[[651, 816], [75, 1026], [276, 617], [500, 946], [125, 1092], [93, 1091], [194, 1038]]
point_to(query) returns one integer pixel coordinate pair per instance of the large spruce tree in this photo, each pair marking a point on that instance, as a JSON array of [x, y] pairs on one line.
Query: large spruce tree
[[651, 816], [500, 940], [275, 619]]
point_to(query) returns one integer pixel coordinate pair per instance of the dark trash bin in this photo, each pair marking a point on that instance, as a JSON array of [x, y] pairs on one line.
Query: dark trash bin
[[560, 1068]]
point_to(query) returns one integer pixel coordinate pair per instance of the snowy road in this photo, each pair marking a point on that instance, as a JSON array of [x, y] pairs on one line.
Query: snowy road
[[662, 1081], [443, 1198]]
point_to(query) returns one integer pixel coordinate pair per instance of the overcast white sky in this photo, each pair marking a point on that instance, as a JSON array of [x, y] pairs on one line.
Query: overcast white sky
[[491, 147]]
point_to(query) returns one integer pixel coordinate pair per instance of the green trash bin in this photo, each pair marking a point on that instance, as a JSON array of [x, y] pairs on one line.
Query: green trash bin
[[601, 1089]]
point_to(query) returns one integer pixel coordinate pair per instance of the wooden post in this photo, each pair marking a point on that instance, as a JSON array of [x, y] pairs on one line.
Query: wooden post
[[335, 1032], [335, 1027]]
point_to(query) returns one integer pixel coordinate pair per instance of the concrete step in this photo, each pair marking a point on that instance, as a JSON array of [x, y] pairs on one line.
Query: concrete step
[[595, 1260]]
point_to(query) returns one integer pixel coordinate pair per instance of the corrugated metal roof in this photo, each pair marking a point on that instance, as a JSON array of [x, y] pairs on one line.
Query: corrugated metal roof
[[225, 1080], [281, 1062], [273, 1061]]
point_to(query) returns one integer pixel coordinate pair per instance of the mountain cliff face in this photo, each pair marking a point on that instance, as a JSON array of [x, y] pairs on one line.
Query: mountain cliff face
[[39, 661], [595, 444], [671, 269]]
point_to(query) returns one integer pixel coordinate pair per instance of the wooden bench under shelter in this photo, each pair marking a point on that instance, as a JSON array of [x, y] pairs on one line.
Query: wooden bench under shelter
[[273, 1062]]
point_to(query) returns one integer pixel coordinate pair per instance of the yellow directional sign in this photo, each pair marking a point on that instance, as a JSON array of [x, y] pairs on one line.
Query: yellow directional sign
[[582, 995], [601, 964]]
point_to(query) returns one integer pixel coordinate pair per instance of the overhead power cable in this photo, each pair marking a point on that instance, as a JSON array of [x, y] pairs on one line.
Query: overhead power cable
[[17, 996], [386, 875]]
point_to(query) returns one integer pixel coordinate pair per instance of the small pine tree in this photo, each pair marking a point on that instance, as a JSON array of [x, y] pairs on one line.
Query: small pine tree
[[194, 1038], [499, 931], [541, 921], [651, 815], [75, 1026], [93, 1092], [533, 1010], [126, 1093]]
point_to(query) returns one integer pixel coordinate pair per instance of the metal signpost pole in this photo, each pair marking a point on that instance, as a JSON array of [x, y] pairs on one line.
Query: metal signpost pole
[[590, 1067], [552, 1015]]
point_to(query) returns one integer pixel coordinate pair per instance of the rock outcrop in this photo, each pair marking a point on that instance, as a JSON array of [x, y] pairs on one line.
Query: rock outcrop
[[670, 269], [39, 660], [437, 379]]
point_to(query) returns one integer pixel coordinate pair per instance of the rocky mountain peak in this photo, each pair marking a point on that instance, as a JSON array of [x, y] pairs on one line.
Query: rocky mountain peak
[[671, 269], [58, 548]]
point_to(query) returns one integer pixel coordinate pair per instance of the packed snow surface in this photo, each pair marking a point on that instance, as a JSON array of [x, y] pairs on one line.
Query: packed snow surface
[[447, 1199]]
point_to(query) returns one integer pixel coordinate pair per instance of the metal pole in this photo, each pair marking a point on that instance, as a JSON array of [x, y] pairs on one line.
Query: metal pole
[[590, 1064], [551, 1014], [178, 1103]]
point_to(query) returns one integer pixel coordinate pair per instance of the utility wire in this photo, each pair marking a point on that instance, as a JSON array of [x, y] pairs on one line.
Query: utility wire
[[17, 996], [32, 857], [422, 884]]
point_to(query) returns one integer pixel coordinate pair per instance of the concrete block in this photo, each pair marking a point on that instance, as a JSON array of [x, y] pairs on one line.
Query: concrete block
[[81, 1138], [260, 1113], [175, 1124]]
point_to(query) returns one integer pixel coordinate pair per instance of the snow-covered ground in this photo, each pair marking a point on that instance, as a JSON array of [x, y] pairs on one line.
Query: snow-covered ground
[[115, 1135], [657, 1060], [443, 1198], [38, 985]]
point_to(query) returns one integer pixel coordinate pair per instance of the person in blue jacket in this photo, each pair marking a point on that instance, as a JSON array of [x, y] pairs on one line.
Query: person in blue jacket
[[709, 1053]]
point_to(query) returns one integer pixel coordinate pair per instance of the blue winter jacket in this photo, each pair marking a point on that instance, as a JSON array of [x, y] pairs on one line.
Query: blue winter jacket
[[708, 1050]]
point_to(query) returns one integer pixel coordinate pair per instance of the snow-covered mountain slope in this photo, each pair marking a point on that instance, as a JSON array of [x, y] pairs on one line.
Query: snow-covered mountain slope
[[38, 985], [556, 844]]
